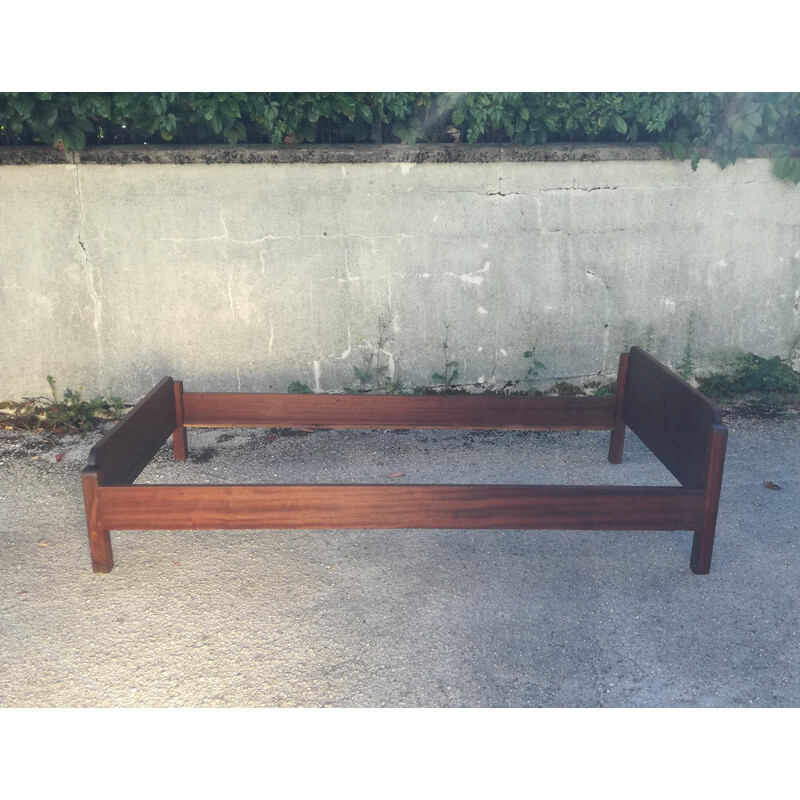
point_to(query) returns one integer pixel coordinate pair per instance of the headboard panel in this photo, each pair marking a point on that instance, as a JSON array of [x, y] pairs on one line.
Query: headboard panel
[[673, 419], [127, 448]]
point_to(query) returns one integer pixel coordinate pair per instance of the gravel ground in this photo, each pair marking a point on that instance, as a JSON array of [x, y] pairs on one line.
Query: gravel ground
[[400, 618]]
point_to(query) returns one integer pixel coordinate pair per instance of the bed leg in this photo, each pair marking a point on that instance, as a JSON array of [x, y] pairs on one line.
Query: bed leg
[[703, 542], [702, 546], [179, 445], [617, 442], [99, 538]]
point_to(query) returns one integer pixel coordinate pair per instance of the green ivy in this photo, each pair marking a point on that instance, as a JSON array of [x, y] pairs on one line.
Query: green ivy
[[724, 125], [751, 373]]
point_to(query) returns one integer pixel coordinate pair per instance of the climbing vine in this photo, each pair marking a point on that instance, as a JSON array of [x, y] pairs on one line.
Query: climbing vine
[[723, 125]]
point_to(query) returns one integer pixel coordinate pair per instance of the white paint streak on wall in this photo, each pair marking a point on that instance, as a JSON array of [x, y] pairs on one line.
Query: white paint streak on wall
[[348, 277], [271, 338], [474, 278], [346, 353], [230, 295], [315, 367]]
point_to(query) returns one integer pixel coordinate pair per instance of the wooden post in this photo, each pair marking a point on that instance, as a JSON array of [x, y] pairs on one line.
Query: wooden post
[[99, 539], [703, 542], [179, 445], [617, 442]]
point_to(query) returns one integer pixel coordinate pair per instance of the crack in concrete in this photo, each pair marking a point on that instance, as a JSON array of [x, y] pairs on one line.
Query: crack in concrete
[[599, 277], [226, 237], [581, 189], [349, 277], [500, 192], [92, 278], [607, 315], [594, 232]]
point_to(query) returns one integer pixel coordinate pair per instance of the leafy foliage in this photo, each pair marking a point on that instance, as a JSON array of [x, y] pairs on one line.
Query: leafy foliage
[[725, 125], [72, 413], [67, 414], [751, 374]]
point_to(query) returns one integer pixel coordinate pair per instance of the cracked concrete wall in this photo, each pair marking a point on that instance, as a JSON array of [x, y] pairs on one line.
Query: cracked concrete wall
[[250, 276]]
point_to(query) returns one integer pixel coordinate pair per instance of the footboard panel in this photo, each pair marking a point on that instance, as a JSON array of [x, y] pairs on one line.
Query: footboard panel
[[672, 418]]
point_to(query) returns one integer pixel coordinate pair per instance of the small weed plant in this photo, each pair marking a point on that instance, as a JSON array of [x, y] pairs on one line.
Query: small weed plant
[[533, 368], [373, 374], [72, 413], [69, 413], [449, 375], [600, 389]]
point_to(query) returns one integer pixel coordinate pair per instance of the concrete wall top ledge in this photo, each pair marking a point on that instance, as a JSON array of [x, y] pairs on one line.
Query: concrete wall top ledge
[[334, 154]]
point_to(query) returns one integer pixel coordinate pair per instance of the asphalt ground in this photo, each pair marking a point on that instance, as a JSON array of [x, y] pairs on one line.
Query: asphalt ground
[[401, 619]]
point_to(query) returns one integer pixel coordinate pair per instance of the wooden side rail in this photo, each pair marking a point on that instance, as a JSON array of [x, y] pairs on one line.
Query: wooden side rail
[[337, 506], [465, 412], [648, 397]]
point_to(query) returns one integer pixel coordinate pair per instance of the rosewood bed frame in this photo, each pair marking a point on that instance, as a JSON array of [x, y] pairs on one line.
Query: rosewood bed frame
[[678, 424]]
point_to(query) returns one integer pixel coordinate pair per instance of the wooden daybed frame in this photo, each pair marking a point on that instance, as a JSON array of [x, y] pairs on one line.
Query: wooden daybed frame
[[678, 424]]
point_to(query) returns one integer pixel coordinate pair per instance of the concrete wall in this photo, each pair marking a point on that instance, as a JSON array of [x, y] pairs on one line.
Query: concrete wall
[[296, 265]]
